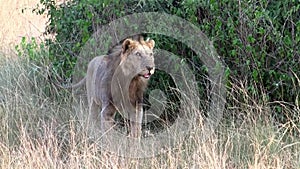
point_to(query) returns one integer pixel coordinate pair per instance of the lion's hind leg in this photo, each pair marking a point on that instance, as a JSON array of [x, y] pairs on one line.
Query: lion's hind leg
[[93, 118], [107, 117]]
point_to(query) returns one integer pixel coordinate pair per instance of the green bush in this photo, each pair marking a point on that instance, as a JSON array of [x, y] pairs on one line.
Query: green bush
[[35, 59], [73, 23], [258, 40]]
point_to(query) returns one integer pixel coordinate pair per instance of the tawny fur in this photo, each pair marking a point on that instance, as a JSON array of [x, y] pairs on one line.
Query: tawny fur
[[132, 54]]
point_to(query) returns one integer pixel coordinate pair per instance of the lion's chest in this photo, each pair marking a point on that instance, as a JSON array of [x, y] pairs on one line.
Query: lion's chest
[[136, 90]]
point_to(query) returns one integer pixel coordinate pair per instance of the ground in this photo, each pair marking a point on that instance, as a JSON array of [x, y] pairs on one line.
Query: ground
[[14, 24]]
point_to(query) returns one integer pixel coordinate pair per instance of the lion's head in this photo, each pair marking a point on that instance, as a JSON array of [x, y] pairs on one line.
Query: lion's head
[[137, 58]]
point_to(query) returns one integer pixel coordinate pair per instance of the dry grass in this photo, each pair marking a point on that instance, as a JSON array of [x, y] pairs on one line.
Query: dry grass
[[41, 132], [37, 131]]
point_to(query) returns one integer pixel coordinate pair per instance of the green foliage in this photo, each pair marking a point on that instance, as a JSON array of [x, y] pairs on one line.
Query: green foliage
[[258, 40], [35, 59], [32, 50]]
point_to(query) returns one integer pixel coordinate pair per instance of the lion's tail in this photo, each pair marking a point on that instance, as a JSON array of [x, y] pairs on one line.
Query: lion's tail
[[80, 83]]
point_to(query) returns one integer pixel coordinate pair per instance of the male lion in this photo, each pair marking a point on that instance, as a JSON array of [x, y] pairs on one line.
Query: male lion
[[131, 56]]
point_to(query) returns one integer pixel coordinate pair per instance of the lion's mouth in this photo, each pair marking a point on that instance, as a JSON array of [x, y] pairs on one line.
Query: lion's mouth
[[147, 75]]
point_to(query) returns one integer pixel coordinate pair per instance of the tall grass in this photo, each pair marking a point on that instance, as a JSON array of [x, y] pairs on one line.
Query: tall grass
[[40, 128]]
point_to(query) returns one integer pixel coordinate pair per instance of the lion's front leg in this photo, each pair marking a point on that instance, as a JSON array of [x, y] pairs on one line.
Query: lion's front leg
[[136, 121]]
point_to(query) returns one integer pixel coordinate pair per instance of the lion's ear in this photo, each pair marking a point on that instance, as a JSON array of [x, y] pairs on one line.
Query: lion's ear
[[127, 44], [151, 43]]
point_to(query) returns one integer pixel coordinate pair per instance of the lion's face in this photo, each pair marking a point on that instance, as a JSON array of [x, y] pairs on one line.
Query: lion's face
[[137, 57]]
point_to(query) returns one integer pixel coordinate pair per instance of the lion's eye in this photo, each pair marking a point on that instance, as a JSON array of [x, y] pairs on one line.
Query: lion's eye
[[138, 54], [151, 54]]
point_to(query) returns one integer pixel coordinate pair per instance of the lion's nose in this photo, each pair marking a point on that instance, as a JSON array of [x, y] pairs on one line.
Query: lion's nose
[[150, 69]]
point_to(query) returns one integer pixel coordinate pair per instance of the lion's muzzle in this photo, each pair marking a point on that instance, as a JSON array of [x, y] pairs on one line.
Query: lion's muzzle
[[148, 72]]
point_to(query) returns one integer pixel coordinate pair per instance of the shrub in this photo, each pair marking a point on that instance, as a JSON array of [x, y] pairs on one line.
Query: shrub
[[258, 40]]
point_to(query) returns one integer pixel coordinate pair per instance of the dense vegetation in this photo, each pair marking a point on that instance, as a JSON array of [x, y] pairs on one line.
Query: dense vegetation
[[258, 40]]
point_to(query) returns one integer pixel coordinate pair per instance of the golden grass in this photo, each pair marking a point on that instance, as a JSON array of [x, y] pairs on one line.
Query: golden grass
[[41, 132]]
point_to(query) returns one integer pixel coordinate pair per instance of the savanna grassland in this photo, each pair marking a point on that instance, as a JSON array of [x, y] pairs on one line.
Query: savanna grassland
[[41, 125], [42, 132]]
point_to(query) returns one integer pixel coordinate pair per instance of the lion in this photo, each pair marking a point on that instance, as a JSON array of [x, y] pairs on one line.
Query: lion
[[132, 56]]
